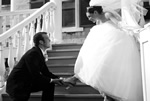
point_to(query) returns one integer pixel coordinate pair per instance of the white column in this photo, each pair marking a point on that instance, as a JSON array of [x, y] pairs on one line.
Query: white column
[[0, 5], [58, 21], [12, 5], [0, 17]]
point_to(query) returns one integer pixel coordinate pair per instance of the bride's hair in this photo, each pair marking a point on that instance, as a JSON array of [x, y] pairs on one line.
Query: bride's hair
[[99, 9], [108, 15], [91, 9]]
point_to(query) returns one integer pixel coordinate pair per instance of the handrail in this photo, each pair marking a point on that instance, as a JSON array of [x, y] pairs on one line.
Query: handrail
[[25, 22]]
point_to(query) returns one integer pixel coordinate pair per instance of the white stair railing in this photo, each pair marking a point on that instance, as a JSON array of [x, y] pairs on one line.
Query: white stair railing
[[20, 35], [145, 61]]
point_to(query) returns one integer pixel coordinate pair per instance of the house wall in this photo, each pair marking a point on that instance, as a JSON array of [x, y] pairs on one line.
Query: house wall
[[76, 37], [22, 4]]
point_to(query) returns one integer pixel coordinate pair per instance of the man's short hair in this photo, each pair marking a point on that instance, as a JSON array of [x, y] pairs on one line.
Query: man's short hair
[[37, 37]]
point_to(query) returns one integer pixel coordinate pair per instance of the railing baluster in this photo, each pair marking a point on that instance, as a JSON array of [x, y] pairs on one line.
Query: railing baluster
[[2, 67], [19, 47], [12, 23], [52, 25], [10, 54], [47, 22], [4, 23], [1, 21], [43, 23], [38, 28], [31, 33], [26, 39]]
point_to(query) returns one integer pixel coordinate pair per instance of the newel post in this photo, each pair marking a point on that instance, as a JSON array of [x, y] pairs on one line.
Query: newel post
[[58, 21]]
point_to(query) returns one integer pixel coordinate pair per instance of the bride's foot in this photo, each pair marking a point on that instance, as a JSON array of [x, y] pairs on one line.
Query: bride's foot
[[70, 80]]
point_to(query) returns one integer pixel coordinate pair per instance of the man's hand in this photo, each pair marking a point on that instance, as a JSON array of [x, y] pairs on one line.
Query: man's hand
[[57, 81]]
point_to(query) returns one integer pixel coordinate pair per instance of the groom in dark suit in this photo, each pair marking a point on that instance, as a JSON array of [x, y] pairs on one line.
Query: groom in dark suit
[[31, 73]]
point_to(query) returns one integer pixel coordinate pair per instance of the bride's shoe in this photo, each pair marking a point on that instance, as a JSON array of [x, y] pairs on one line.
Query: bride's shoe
[[70, 81]]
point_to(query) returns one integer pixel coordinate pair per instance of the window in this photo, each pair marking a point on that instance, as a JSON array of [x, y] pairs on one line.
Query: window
[[70, 16], [5, 2], [74, 13], [36, 3], [68, 13]]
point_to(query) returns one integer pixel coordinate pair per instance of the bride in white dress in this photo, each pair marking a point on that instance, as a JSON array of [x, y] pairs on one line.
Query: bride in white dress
[[109, 59]]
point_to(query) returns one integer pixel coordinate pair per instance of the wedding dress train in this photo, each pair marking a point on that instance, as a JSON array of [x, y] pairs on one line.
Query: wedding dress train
[[109, 61]]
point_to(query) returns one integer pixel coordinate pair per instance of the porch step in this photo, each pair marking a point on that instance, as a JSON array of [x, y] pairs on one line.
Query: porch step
[[61, 60], [63, 97], [61, 68], [79, 88], [63, 52], [66, 46], [64, 74]]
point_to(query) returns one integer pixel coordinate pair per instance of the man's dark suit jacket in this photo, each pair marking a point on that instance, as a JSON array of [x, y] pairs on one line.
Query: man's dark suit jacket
[[31, 68]]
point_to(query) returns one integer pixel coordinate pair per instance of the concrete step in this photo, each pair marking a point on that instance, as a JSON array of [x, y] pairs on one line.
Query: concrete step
[[62, 97], [79, 88], [63, 52], [61, 68], [64, 74], [61, 60], [66, 46]]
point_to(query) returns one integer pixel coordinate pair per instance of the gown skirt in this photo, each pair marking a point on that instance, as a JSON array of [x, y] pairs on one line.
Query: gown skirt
[[109, 61]]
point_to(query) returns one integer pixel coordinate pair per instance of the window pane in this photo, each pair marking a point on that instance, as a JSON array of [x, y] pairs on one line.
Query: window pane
[[83, 19], [68, 13], [147, 6], [5, 2], [36, 4]]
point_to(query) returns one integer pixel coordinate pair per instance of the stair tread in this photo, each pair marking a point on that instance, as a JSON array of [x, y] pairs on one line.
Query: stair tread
[[62, 57], [75, 95], [64, 73], [66, 44], [80, 95], [68, 95], [63, 50], [57, 65]]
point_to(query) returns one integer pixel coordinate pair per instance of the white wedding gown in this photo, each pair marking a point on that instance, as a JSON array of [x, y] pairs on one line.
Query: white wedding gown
[[109, 61]]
